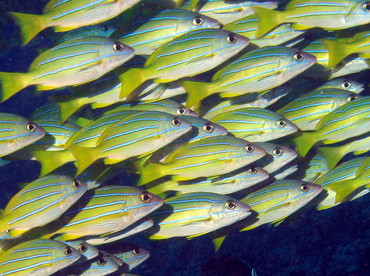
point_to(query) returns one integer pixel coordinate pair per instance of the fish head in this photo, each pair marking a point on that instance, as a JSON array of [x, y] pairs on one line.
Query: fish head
[[358, 13], [172, 127], [227, 44], [62, 254], [114, 53], [295, 62], [87, 250], [302, 192], [143, 203], [228, 211], [196, 21]]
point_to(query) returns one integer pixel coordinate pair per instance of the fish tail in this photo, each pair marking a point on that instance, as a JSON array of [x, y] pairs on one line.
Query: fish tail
[[149, 173], [84, 156], [66, 109], [332, 155], [267, 20], [11, 83], [131, 79], [344, 188], [30, 25], [337, 51], [197, 91], [51, 160], [161, 188], [304, 142]]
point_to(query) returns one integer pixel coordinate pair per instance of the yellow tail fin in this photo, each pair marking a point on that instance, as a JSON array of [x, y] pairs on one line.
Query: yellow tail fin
[[84, 156], [131, 80], [304, 142], [30, 25], [66, 109], [11, 83], [149, 173], [267, 20], [332, 155], [197, 91], [337, 51], [51, 160]]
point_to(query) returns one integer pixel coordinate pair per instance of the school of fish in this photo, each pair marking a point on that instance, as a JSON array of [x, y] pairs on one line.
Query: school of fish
[[228, 115]]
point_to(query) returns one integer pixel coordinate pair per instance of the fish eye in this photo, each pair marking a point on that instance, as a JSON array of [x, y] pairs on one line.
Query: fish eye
[[231, 39], [209, 127], [281, 123], [181, 110], [366, 6], [352, 98], [76, 184], [198, 21], [68, 250], [136, 251], [278, 151], [249, 148], [145, 196], [304, 188], [230, 204], [176, 122], [298, 56], [31, 127], [101, 260], [118, 46], [346, 84], [82, 247], [253, 170]]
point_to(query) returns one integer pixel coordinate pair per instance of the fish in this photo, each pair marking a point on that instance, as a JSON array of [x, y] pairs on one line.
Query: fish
[[344, 171], [341, 48], [349, 120], [345, 188], [17, 132], [57, 135], [256, 71], [307, 111], [279, 200], [208, 157], [132, 257], [69, 15], [255, 124], [134, 228], [137, 135], [196, 214], [229, 11], [101, 265], [277, 156], [37, 257], [247, 26], [87, 251], [334, 154], [103, 29], [105, 92], [223, 184], [73, 62], [187, 55], [345, 84], [209, 110], [313, 168], [39, 203], [150, 34], [108, 209], [306, 14]]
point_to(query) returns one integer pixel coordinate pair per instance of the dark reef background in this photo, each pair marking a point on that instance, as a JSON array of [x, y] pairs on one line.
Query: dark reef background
[[331, 242]]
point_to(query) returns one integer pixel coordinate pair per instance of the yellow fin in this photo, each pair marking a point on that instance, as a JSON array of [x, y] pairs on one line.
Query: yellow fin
[[30, 25]]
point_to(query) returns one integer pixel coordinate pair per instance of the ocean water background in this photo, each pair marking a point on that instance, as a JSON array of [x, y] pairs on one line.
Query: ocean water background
[[331, 242]]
